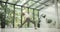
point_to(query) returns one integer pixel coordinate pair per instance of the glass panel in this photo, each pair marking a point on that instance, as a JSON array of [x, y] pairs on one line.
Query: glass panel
[[31, 17], [35, 0], [9, 16], [50, 2], [12, 1], [1, 12], [42, 1], [0, 6], [25, 10], [29, 3], [35, 5], [21, 2], [1, 16], [36, 17], [4, 0], [41, 6], [17, 17]]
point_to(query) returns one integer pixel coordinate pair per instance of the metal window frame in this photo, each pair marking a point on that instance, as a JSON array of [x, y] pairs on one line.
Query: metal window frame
[[25, 2], [17, 5], [34, 3], [39, 3], [13, 15], [28, 24], [42, 4]]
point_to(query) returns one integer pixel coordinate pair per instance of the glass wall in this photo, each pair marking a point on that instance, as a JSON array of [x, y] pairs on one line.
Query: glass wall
[[43, 14], [9, 16], [2, 13], [14, 18]]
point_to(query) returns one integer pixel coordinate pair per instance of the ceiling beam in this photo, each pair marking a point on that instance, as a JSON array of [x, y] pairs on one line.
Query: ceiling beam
[[38, 2], [17, 1], [17, 5], [34, 3], [42, 8], [26, 2], [7, 0], [42, 4]]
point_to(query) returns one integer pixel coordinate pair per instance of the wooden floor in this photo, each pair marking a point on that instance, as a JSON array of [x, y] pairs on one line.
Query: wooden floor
[[29, 30]]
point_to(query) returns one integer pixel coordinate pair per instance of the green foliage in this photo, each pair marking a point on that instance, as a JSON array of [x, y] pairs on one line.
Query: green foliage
[[17, 20]]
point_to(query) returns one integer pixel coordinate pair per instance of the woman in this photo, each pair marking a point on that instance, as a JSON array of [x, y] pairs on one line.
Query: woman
[[27, 19]]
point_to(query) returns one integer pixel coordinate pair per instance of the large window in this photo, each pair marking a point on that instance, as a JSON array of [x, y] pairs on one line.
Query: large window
[[41, 13], [9, 16]]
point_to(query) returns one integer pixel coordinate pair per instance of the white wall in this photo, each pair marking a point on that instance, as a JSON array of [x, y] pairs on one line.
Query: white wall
[[51, 12]]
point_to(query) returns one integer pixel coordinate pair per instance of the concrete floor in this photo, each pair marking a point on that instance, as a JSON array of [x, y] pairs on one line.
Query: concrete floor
[[30, 30]]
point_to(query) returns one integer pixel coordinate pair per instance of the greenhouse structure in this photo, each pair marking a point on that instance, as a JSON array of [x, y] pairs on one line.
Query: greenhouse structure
[[29, 14]]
